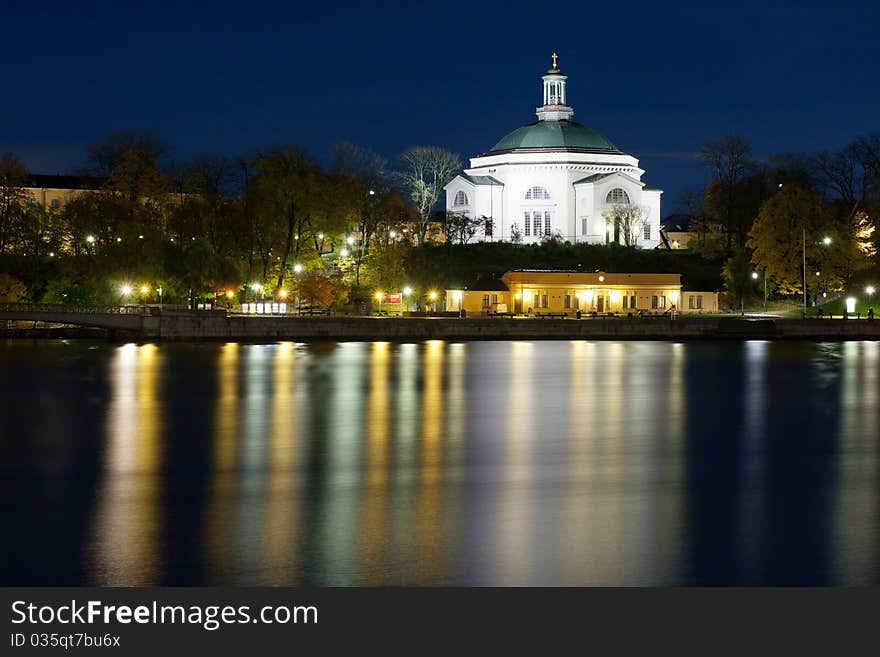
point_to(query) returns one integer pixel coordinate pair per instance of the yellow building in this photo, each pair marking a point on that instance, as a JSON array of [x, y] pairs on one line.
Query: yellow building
[[567, 292]]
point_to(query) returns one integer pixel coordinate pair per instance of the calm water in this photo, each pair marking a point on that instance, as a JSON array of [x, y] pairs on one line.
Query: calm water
[[483, 463]]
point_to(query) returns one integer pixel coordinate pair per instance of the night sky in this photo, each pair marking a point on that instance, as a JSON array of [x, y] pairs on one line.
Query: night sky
[[229, 78]]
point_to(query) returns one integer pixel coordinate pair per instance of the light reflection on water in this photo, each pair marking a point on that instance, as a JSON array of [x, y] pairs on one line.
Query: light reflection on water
[[484, 463]]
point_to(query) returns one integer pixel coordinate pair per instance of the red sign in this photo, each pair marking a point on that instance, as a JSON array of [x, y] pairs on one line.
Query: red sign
[[394, 298]]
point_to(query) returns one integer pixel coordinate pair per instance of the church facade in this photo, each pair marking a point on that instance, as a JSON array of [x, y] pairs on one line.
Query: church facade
[[555, 178]]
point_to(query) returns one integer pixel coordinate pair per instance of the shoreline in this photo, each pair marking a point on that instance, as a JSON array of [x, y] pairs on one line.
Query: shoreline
[[195, 327]]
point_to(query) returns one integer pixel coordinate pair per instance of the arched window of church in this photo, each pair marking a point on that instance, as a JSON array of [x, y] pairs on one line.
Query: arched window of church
[[537, 194], [617, 195], [460, 199]]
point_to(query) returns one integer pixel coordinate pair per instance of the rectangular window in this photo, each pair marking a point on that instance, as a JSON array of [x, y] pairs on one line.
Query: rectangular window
[[56, 203], [537, 223], [632, 301], [654, 301], [528, 224], [625, 301], [647, 231], [485, 301], [547, 223], [692, 302], [662, 302], [544, 299], [584, 226], [699, 303], [566, 301], [494, 298], [488, 228]]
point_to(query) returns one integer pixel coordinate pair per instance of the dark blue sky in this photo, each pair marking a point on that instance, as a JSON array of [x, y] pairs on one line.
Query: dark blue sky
[[657, 78]]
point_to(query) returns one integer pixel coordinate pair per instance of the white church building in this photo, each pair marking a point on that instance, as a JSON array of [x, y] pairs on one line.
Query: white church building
[[558, 178]]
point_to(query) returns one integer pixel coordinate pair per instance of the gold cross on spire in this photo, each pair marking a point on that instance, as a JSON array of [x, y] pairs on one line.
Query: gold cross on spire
[[555, 57]]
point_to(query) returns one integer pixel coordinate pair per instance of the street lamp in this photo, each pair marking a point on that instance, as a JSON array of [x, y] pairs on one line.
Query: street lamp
[[344, 253], [90, 239], [755, 277], [406, 292], [392, 234], [827, 242], [297, 268], [379, 297]]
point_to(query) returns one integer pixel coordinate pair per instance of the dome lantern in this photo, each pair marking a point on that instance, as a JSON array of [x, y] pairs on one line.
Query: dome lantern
[[554, 107]]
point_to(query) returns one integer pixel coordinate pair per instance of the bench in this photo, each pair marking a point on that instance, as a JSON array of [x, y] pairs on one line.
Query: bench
[[551, 315]]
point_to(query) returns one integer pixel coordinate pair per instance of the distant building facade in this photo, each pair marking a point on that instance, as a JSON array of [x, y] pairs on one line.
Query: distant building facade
[[54, 191], [557, 179]]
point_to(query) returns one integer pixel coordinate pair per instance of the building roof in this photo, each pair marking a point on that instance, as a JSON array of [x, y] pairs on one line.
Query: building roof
[[558, 276], [482, 180], [487, 285], [676, 223], [44, 181], [559, 135]]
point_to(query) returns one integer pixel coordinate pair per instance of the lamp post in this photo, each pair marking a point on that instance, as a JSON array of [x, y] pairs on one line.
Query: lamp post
[[297, 270], [825, 241], [870, 292], [406, 292], [755, 277]]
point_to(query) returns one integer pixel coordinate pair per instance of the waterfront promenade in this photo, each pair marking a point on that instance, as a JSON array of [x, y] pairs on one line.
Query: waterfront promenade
[[150, 323]]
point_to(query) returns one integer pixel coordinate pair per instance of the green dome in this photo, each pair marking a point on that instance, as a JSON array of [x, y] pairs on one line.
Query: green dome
[[564, 135]]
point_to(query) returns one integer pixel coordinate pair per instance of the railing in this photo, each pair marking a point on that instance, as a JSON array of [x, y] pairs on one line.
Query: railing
[[60, 308]]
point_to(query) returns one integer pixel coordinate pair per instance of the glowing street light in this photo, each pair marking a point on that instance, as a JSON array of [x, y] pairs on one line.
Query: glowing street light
[[350, 240], [144, 290], [297, 268], [90, 239], [392, 234], [754, 275], [407, 291], [826, 241], [320, 236], [282, 293], [126, 290], [230, 294], [344, 253], [256, 287]]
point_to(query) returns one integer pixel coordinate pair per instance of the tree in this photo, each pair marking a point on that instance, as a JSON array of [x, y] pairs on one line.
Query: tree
[[737, 275], [461, 229], [425, 171], [515, 234], [11, 289], [13, 198], [296, 207], [204, 191], [776, 240], [729, 159], [317, 289], [628, 222]]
